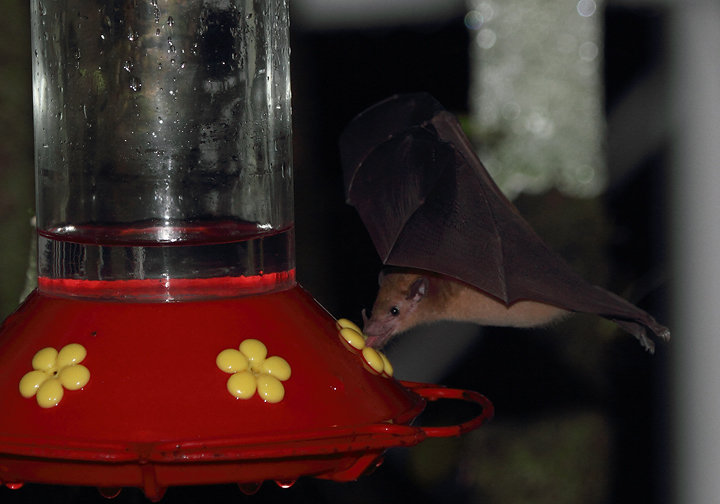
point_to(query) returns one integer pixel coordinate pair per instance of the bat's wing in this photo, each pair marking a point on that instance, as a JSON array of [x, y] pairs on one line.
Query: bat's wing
[[378, 124], [428, 202], [402, 179]]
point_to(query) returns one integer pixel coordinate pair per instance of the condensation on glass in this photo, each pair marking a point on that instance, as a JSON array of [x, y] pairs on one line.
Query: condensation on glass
[[163, 145]]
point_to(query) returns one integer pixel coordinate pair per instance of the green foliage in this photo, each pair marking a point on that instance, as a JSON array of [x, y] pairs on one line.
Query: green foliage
[[16, 151], [558, 460]]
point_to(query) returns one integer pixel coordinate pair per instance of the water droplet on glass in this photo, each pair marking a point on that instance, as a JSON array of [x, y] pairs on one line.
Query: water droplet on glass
[[127, 66], [77, 54], [172, 61], [135, 84], [285, 483], [157, 32], [102, 36], [107, 21], [159, 66], [182, 65], [42, 8], [170, 21], [160, 120], [131, 34]]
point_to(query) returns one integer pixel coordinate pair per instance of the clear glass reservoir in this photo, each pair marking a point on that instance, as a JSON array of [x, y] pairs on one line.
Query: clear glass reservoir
[[163, 148]]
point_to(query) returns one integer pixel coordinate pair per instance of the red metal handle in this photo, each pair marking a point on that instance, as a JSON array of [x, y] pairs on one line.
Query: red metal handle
[[435, 392]]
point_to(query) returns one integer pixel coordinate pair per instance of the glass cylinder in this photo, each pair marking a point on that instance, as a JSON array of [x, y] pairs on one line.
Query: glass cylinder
[[163, 147]]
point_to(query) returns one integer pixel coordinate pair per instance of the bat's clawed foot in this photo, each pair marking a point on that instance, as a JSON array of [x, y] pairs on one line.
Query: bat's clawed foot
[[660, 331], [646, 342]]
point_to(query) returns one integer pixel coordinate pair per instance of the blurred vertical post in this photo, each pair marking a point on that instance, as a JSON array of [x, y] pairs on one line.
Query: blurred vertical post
[[696, 221]]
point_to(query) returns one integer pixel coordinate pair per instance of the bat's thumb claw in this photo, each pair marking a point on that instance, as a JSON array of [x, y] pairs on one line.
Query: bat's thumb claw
[[663, 333]]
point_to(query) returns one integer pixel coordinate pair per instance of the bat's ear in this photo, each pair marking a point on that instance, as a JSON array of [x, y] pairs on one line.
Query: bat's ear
[[418, 289]]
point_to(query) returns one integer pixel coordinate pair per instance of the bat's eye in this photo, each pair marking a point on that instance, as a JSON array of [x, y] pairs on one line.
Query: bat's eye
[[394, 311]]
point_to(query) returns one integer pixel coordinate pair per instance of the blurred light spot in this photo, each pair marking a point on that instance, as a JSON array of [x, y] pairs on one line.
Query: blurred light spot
[[536, 95], [540, 125], [473, 20], [486, 38], [486, 11], [511, 110], [586, 8], [588, 51], [584, 174]]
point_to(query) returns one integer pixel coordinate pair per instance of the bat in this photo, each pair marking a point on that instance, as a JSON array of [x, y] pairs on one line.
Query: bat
[[398, 305], [457, 247]]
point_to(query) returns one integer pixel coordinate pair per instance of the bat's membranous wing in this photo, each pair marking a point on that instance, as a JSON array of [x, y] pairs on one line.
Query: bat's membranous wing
[[429, 203]]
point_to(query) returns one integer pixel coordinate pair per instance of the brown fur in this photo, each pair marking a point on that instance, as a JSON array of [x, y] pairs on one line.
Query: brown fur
[[444, 299]]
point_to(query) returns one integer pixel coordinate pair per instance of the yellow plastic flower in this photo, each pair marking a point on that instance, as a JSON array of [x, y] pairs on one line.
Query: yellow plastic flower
[[253, 371], [53, 372], [352, 335]]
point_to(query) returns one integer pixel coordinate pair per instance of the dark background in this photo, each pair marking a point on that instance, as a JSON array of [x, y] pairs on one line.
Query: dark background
[[582, 378]]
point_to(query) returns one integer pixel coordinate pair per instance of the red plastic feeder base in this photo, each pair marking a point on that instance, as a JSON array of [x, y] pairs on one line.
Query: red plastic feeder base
[[157, 412]]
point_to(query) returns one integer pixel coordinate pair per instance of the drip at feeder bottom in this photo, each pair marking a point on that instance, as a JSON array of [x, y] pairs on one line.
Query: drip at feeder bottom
[[157, 412]]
